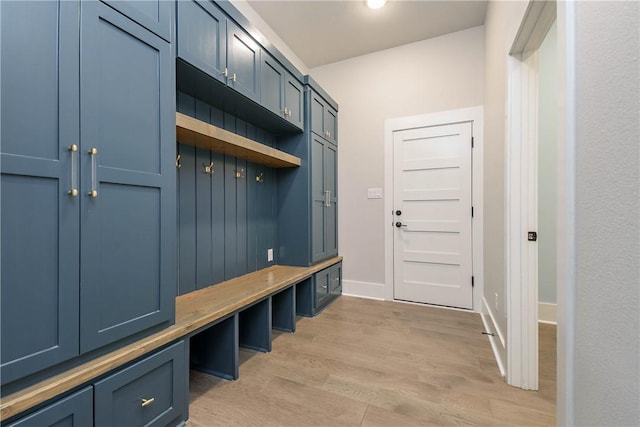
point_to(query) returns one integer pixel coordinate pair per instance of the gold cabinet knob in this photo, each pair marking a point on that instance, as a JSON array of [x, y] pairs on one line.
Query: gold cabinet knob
[[93, 193]]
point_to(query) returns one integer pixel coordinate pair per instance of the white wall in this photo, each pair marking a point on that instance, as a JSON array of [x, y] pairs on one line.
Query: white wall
[[439, 74], [547, 165], [501, 25], [606, 356]]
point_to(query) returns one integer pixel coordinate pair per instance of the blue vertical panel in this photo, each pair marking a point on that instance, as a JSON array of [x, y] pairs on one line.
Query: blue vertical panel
[[203, 111], [187, 221], [252, 132], [39, 228], [230, 218], [204, 250], [241, 215], [229, 122], [252, 219], [271, 216], [217, 202], [241, 127], [186, 104], [202, 36], [217, 117], [128, 231]]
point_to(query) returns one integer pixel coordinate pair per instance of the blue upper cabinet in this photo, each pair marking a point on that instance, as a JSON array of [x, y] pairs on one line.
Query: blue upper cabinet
[[281, 92], [211, 42], [324, 119], [127, 112], [202, 37], [40, 234], [154, 15], [243, 62]]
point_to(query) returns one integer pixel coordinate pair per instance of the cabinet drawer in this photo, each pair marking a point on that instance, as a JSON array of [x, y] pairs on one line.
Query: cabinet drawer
[[335, 279], [75, 410], [322, 287], [149, 393]]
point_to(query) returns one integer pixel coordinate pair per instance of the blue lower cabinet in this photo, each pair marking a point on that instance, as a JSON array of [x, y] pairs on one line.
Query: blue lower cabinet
[[75, 410], [150, 392], [316, 293]]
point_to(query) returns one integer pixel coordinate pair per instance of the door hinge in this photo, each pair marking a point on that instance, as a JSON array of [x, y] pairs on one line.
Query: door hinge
[[471, 211], [472, 142], [473, 284]]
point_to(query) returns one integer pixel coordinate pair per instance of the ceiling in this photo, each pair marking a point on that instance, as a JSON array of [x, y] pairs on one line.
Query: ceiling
[[323, 32]]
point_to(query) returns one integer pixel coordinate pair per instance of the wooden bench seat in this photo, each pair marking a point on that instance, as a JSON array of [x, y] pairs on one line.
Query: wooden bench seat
[[194, 312]]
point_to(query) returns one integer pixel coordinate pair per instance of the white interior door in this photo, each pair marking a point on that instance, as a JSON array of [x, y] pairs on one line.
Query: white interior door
[[432, 215]]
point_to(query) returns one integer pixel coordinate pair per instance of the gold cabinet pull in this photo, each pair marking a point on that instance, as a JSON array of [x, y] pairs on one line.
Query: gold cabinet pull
[[73, 149], [94, 171], [147, 402], [233, 77], [225, 73]]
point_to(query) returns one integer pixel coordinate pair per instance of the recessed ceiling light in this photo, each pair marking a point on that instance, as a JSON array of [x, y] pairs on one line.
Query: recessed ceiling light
[[376, 4]]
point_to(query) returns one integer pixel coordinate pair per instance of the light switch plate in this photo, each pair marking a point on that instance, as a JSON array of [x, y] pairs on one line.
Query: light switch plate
[[269, 254], [374, 193]]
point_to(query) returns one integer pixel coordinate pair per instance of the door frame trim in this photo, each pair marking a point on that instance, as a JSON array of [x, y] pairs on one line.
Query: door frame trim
[[471, 114], [521, 195]]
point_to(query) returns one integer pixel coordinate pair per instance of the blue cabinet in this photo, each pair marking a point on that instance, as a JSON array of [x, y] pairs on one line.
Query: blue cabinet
[[127, 149], [151, 392], [75, 410], [40, 234], [308, 195], [324, 118], [324, 199], [211, 42], [88, 184], [281, 92]]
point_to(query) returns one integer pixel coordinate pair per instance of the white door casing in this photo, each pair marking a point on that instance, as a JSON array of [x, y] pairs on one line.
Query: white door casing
[[432, 214]]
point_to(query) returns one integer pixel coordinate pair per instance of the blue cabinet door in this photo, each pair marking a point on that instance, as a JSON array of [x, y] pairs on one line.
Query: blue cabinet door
[[331, 124], [293, 100], [243, 62], [75, 410], [318, 199], [272, 80], [202, 37], [128, 218], [40, 234], [154, 15], [331, 181]]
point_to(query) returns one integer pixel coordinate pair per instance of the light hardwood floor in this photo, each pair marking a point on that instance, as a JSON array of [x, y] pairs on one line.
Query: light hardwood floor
[[375, 363]]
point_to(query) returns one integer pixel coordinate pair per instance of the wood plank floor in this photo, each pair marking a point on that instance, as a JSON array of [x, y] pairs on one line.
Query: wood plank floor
[[375, 363]]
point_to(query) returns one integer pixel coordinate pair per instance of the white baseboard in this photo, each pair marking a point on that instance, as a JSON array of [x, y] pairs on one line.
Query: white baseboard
[[491, 325], [363, 289], [547, 313]]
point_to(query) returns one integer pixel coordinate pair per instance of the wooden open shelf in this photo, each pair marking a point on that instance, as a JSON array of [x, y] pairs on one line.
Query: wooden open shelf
[[203, 135]]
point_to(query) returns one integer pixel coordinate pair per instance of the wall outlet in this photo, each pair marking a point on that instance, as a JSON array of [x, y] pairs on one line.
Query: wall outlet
[[270, 255], [374, 193], [495, 303]]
